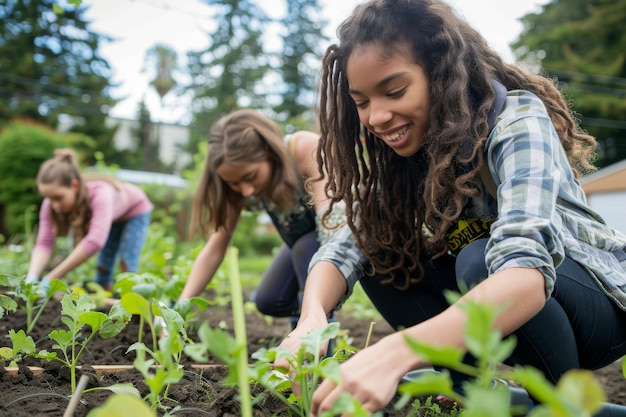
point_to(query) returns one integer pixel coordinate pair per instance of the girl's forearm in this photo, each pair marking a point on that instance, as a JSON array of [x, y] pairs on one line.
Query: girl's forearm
[[324, 289], [75, 258]]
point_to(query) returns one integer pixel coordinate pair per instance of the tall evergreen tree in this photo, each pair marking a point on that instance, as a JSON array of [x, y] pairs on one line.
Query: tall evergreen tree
[[50, 66], [583, 44], [230, 71], [301, 56]]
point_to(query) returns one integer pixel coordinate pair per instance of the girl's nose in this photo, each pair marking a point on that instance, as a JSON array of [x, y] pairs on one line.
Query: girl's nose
[[379, 114], [246, 190]]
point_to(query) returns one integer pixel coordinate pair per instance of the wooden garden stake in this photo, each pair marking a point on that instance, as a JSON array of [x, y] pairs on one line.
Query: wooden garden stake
[[82, 383], [369, 334]]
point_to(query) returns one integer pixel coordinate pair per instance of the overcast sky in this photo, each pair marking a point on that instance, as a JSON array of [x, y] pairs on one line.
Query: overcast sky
[[137, 25]]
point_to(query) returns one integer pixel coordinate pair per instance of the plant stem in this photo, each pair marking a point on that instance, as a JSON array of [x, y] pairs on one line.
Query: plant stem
[[239, 322]]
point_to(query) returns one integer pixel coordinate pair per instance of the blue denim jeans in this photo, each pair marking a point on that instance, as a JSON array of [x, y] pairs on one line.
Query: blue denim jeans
[[578, 327], [126, 240]]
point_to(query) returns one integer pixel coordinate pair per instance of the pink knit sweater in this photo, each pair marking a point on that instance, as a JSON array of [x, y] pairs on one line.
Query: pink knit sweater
[[108, 205]]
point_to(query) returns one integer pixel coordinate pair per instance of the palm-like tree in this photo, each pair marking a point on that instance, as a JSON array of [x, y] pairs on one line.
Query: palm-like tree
[[165, 61]]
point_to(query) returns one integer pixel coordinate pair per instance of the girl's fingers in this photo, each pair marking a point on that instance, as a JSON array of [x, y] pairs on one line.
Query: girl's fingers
[[324, 397]]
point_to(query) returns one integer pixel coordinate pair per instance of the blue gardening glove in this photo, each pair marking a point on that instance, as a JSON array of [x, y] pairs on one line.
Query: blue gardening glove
[[44, 286], [30, 278]]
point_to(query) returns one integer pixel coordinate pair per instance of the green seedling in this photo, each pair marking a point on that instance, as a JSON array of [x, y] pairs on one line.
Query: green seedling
[[160, 366], [76, 313], [232, 352], [28, 298], [576, 394], [306, 367], [22, 346]]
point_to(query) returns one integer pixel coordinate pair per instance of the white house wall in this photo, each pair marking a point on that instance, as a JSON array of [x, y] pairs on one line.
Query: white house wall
[[172, 138], [611, 206]]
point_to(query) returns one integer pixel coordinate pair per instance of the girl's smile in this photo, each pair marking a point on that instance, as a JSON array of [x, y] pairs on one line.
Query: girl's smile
[[391, 93]]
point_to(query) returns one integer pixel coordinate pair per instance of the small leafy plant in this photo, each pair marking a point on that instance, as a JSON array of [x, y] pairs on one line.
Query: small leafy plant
[[159, 366], [22, 346], [27, 297], [577, 393], [76, 313]]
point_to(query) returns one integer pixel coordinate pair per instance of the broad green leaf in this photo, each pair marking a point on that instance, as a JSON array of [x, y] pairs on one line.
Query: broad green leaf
[[57, 285], [63, 337], [483, 401], [123, 405], [7, 304], [428, 383], [438, 355], [124, 388], [579, 387], [216, 341], [136, 304], [22, 342], [540, 388], [146, 290], [329, 368], [6, 353], [93, 319], [116, 321]]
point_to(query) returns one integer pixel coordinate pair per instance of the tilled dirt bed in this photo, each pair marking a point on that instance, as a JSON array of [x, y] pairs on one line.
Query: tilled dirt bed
[[201, 391]]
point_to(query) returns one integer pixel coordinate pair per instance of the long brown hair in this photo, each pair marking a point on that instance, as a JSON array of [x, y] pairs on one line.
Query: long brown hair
[[242, 137], [373, 180], [62, 169]]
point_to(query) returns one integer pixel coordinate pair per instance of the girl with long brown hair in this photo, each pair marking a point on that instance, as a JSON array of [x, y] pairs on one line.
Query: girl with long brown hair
[[251, 165]]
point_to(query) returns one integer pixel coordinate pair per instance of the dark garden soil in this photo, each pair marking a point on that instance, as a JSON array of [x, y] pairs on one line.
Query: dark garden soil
[[201, 391]]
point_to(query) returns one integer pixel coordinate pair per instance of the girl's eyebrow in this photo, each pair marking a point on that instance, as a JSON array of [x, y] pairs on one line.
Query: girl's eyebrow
[[382, 82]]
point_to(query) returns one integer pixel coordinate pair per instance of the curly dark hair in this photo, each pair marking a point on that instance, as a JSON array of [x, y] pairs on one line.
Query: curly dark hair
[[392, 210]]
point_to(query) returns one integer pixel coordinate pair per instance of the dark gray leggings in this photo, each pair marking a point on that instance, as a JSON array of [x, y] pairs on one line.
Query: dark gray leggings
[[579, 326], [278, 293]]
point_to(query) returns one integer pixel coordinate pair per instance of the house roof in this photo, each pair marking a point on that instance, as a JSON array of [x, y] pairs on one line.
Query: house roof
[[608, 179]]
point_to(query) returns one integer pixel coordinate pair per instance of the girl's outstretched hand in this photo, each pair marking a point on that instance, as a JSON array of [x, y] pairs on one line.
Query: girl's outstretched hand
[[292, 342], [371, 376]]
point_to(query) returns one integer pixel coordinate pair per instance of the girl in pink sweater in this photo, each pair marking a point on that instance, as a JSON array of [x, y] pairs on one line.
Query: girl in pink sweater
[[97, 213]]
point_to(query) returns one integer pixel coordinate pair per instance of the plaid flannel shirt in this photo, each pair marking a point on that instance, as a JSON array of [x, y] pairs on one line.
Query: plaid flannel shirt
[[543, 214]]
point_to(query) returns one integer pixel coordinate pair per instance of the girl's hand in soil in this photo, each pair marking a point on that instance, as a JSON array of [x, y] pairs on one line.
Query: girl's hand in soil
[[371, 376], [292, 342]]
